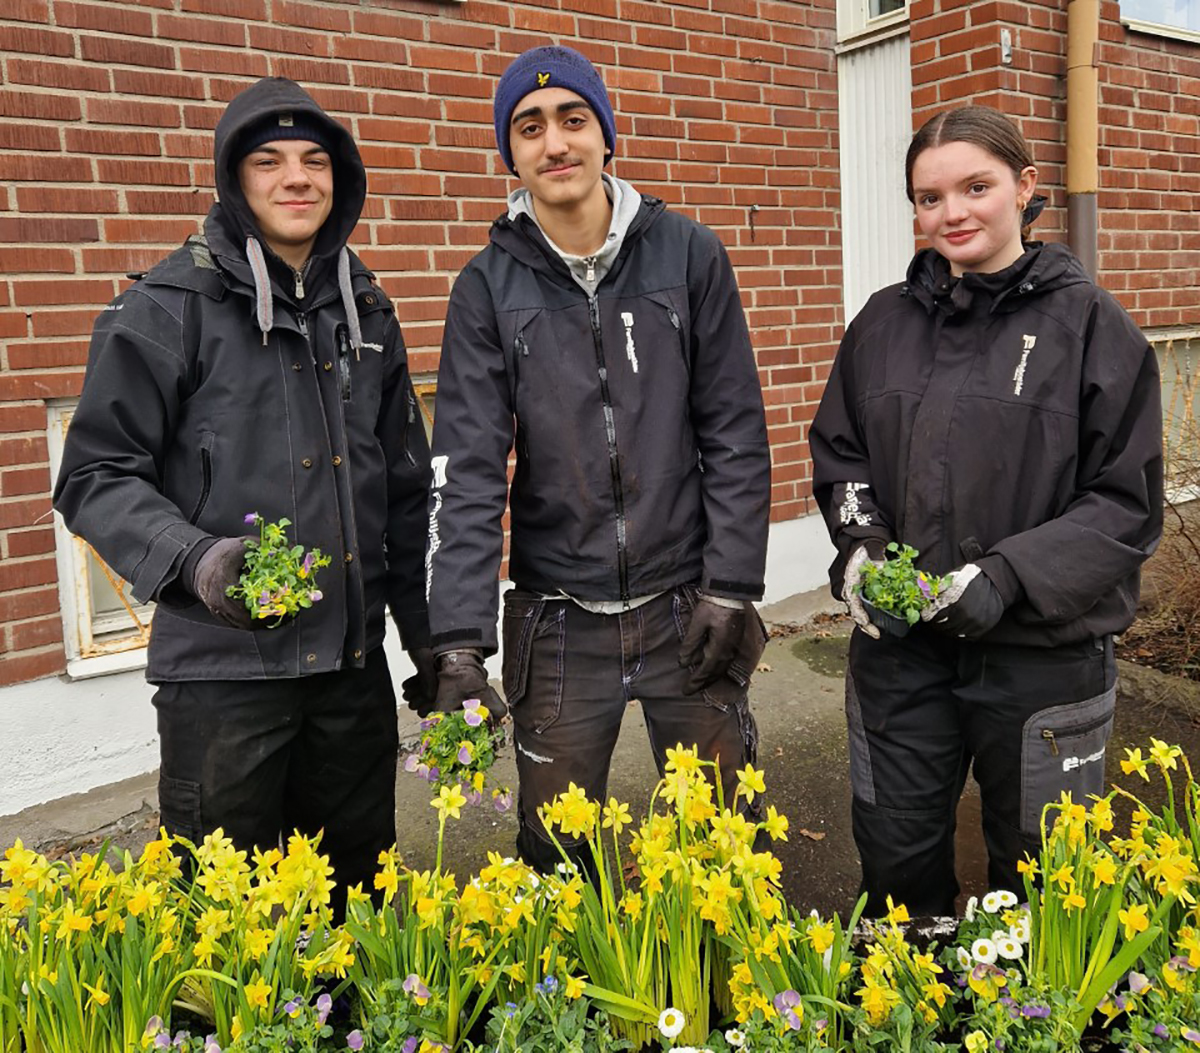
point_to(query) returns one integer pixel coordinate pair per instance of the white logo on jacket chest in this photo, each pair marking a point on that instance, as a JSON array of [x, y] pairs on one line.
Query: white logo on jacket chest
[[630, 350], [1019, 374]]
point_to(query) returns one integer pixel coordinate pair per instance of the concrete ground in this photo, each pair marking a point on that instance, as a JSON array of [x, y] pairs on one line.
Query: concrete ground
[[797, 699]]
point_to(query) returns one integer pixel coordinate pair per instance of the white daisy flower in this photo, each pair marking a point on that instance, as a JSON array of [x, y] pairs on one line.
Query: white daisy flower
[[969, 913], [965, 960], [735, 1038], [1021, 930], [991, 902], [1009, 947], [982, 950], [1007, 899], [671, 1021]]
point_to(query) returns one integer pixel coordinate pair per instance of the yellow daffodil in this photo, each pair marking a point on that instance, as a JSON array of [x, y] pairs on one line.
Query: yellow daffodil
[[897, 913], [776, 825], [1134, 762], [751, 782], [1134, 919], [449, 802], [1105, 870], [1164, 755], [1064, 876], [257, 993], [97, 995], [616, 816]]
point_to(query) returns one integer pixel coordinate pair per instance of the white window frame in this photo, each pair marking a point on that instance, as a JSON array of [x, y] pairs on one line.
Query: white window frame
[[95, 646], [1185, 399], [1158, 29], [856, 27]]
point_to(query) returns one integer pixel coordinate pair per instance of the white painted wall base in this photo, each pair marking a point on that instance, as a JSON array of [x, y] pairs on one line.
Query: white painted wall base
[[63, 736]]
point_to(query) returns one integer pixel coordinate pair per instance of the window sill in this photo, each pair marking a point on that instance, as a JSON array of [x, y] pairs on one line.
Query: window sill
[[882, 28], [106, 664], [1157, 29]]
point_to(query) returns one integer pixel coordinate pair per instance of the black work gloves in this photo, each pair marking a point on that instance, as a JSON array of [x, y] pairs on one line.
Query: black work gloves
[[711, 642], [420, 689], [969, 607], [219, 567], [460, 676]]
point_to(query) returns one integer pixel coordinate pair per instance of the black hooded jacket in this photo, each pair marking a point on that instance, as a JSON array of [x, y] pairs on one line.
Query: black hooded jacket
[[642, 457], [1011, 420], [211, 394]]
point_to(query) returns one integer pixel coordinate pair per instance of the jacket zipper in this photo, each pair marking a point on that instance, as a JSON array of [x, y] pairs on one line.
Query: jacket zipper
[[1049, 736], [614, 463], [343, 342], [590, 263]]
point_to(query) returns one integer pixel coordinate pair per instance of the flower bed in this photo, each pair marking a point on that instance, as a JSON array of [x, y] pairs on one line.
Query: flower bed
[[205, 948]]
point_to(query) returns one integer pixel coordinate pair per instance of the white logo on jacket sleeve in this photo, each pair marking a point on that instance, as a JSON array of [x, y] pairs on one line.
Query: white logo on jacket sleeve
[[439, 465], [630, 350], [851, 511], [1019, 375]]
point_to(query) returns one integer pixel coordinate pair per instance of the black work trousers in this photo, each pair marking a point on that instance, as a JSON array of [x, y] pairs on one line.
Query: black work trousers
[[923, 710], [568, 676], [261, 758]]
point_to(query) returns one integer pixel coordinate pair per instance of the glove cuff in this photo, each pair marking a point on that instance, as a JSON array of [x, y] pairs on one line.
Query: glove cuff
[[459, 656], [1000, 573]]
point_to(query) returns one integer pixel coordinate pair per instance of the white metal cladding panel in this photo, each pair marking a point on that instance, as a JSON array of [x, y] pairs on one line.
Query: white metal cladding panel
[[875, 116]]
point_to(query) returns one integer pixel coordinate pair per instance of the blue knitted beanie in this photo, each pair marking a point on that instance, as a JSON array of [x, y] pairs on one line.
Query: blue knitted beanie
[[551, 67]]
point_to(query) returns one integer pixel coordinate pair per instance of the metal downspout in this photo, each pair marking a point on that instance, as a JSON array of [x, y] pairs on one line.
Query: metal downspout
[[1083, 140]]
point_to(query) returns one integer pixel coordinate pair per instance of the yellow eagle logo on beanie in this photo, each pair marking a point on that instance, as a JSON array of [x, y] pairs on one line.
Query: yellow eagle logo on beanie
[[543, 79]]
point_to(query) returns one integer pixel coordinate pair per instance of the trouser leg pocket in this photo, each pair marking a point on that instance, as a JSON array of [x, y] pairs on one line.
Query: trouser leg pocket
[[1062, 751]]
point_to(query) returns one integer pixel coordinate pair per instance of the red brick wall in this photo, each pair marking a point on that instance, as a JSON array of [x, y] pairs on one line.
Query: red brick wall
[[106, 112], [1149, 196]]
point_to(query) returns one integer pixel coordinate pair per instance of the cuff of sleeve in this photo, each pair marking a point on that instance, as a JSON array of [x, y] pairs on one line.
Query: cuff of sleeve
[[1001, 574], [177, 591], [714, 588], [464, 639]]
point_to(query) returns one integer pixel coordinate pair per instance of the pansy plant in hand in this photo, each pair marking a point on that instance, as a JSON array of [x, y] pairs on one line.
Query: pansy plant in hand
[[897, 586], [459, 749], [279, 579]]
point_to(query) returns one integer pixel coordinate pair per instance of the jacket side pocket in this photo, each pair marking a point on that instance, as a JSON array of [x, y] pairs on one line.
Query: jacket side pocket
[[1062, 750], [207, 439]]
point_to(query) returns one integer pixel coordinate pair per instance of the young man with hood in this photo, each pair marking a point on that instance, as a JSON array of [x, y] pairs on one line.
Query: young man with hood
[[605, 335], [260, 369]]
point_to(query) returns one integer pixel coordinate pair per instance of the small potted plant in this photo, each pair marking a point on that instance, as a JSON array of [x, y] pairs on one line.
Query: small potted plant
[[279, 579], [459, 749], [895, 592]]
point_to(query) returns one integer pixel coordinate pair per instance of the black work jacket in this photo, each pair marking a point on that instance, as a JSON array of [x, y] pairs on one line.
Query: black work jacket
[[188, 422], [637, 415], [1012, 420]]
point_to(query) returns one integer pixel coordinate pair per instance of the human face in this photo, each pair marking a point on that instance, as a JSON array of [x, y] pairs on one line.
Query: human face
[[558, 148], [969, 205], [288, 184]]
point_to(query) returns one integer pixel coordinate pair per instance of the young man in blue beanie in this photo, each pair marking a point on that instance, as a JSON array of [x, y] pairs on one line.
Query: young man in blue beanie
[[260, 369], [604, 334]]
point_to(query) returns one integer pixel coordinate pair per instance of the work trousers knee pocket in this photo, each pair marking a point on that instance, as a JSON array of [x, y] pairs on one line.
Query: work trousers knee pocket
[[1062, 751], [731, 689], [179, 808], [533, 694]]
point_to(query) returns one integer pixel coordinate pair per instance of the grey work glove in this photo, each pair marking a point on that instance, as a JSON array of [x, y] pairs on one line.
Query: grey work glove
[[216, 570], [420, 689], [461, 676], [968, 607], [852, 582], [711, 643]]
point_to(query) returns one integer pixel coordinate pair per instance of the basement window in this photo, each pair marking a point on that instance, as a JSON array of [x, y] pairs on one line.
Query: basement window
[[861, 21], [105, 630]]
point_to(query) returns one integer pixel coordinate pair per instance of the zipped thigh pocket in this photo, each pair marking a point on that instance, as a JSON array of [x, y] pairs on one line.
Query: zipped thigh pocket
[[207, 439], [1062, 750]]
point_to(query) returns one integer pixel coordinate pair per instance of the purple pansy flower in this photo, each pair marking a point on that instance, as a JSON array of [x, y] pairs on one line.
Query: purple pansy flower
[[1035, 1012], [504, 801], [354, 1040], [324, 1005], [785, 1003], [251, 518]]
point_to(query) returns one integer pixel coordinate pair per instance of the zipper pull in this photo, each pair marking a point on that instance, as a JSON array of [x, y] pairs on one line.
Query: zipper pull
[[522, 348], [299, 285], [1048, 735], [674, 318], [302, 319], [590, 261]]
